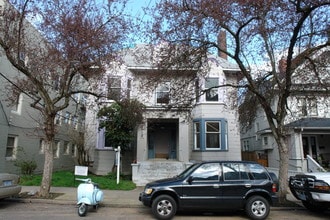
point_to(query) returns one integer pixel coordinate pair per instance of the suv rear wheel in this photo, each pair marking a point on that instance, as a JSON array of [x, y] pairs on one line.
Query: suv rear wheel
[[164, 207], [257, 207]]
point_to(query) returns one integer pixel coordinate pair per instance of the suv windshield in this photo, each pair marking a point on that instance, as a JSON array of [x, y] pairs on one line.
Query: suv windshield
[[185, 173]]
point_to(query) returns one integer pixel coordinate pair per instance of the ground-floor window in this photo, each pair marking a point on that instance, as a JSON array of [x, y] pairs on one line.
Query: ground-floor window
[[210, 134], [11, 147]]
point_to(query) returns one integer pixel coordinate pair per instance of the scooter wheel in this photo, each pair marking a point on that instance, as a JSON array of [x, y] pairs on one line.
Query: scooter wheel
[[82, 209]]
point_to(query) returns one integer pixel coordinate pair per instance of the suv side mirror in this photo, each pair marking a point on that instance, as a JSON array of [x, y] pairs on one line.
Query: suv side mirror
[[190, 179]]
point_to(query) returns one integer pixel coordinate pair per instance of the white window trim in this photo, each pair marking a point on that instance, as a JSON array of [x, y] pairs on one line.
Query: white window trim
[[167, 84], [196, 134], [57, 144], [42, 146], [13, 157], [114, 87], [73, 150], [66, 148], [218, 90], [219, 134], [18, 105], [58, 117]]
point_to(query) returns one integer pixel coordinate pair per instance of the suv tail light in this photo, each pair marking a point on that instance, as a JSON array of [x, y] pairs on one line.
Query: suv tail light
[[274, 188]]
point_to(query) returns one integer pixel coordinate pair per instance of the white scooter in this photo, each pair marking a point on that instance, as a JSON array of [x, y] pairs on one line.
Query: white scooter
[[88, 194]]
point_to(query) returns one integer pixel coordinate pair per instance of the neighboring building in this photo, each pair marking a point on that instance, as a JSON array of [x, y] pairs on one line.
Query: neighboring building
[[307, 121], [21, 134], [170, 140]]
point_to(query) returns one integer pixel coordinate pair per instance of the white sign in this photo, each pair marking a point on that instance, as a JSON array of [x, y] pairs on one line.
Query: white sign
[[80, 171]]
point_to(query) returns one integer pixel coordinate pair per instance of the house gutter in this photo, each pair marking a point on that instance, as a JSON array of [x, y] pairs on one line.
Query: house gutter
[[311, 128]]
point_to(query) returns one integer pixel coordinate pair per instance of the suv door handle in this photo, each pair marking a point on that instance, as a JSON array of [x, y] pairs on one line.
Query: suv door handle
[[248, 185], [216, 186]]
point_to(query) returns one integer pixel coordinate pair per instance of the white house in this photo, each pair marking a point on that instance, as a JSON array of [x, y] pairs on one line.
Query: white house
[[169, 140], [308, 122]]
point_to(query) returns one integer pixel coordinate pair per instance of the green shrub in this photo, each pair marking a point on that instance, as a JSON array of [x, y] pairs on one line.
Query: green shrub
[[27, 166]]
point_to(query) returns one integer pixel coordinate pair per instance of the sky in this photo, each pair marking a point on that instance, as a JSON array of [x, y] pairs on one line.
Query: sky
[[135, 6]]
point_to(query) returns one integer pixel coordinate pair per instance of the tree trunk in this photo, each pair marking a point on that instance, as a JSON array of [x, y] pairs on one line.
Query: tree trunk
[[49, 155], [283, 170], [48, 170]]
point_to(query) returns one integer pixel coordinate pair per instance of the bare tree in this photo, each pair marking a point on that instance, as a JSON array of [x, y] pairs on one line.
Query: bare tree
[[58, 47], [258, 33]]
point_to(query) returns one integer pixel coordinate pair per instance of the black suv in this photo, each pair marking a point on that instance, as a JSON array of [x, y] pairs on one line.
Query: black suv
[[214, 186]]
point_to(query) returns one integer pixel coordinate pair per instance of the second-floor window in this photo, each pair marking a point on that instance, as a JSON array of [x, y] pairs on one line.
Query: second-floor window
[[163, 93], [307, 106], [246, 145], [75, 122], [58, 118], [212, 94], [114, 88], [67, 118]]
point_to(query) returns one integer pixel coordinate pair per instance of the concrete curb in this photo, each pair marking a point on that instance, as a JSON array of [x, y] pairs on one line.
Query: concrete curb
[[71, 202], [114, 198]]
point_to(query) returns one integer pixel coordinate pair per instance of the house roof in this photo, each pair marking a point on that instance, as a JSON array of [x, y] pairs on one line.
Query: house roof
[[141, 57], [138, 57], [311, 123]]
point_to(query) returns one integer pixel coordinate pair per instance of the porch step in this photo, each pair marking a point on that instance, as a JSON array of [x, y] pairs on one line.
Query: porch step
[[152, 170]]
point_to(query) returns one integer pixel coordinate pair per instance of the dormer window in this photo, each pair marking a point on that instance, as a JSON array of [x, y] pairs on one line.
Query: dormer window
[[163, 93]]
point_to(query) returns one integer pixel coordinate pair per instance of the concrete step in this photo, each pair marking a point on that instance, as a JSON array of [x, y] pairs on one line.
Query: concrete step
[[152, 170]]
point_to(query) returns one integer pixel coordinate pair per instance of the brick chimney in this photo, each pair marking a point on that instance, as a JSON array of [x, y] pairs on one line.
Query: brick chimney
[[222, 43], [282, 67]]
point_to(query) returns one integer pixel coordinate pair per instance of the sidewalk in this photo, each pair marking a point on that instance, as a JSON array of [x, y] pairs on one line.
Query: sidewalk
[[112, 198]]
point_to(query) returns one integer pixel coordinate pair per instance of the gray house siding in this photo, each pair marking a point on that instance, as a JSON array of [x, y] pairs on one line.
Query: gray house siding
[[24, 125]]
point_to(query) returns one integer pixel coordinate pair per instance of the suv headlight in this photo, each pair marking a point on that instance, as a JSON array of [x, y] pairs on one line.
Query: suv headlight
[[148, 191]]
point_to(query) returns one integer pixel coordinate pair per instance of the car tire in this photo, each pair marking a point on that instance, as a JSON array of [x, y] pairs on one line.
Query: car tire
[[314, 207], [164, 207], [257, 207]]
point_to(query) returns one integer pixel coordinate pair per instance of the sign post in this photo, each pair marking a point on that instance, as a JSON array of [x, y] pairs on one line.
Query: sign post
[[118, 163], [80, 171]]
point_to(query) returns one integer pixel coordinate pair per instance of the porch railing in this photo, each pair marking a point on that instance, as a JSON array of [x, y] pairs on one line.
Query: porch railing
[[313, 165]]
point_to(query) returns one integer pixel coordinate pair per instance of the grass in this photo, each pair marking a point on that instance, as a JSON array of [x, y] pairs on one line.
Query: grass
[[67, 179]]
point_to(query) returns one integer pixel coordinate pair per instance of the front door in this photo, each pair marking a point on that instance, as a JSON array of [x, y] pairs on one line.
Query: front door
[[309, 146], [162, 138]]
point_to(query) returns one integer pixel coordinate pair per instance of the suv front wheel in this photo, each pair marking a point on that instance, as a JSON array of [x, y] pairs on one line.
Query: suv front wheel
[[164, 207], [257, 207]]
